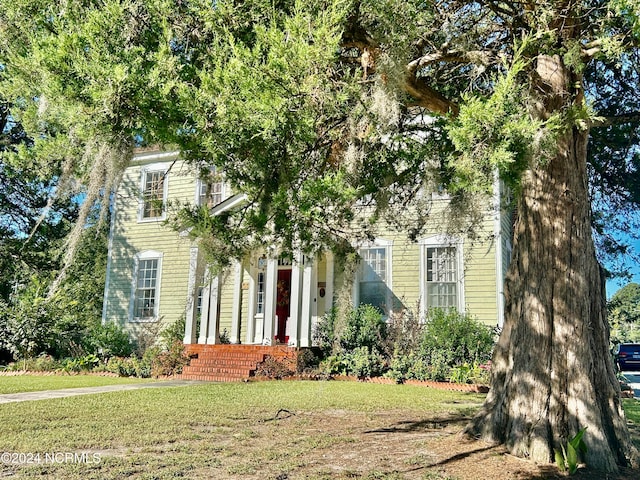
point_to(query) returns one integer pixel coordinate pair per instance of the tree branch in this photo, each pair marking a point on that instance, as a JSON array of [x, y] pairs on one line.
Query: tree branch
[[429, 98], [478, 57], [633, 117]]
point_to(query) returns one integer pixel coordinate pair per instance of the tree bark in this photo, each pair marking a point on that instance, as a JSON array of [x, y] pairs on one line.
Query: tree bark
[[552, 371]]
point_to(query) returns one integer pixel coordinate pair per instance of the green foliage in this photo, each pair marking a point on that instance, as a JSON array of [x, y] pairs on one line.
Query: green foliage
[[364, 327], [173, 333], [458, 338], [109, 340], [568, 458], [85, 363], [363, 363], [129, 367], [28, 321], [624, 314], [41, 363], [324, 332]]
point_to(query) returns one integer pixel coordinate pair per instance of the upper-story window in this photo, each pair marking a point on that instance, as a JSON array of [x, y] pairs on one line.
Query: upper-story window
[[212, 189], [374, 277], [154, 192]]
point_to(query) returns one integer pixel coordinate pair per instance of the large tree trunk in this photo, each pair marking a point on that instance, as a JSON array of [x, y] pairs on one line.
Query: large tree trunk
[[552, 371]]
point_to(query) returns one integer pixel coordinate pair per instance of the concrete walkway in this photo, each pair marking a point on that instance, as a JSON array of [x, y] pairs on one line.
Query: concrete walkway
[[72, 392]]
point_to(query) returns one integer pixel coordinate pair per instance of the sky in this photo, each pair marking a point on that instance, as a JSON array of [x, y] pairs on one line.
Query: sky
[[616, 284]]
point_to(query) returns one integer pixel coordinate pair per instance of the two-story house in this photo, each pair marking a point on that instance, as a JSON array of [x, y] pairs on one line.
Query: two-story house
[[156, 274]]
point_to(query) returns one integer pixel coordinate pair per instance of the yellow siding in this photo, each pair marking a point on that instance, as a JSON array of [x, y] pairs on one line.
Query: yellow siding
[[131, 237]]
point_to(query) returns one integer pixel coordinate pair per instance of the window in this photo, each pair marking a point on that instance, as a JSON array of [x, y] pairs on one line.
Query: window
[[441, 273], [153, 194], [442, 277], [146, 287], [374, 278], [212, 189], [260, 294]]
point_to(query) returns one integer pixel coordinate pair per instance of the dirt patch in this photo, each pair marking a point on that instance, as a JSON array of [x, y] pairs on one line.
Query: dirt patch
[[345, 445]]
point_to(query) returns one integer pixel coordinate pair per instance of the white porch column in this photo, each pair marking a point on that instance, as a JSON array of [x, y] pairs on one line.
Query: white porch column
[[295, 300], [191, 314], [251, 317], [328, 295], [270, 292], [213, 320], [308, 299], [204, 313], [236, 312]]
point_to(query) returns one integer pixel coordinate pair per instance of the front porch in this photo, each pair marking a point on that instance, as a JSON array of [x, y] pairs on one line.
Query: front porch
[[261, 300]]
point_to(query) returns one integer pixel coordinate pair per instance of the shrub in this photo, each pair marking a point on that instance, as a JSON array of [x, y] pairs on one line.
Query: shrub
[[109, 340], [173, 333], [168, 362], [458, 337], [273, 367], [129, 367], [364, 364], [364, 328], [85, 363], [324, 332], [306, 361], [41, 363]]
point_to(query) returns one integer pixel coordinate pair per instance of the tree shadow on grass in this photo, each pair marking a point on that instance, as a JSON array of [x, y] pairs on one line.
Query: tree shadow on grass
[[424, 425]]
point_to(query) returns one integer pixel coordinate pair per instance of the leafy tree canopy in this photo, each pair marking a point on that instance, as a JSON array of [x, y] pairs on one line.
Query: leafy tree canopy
[[315, 107]]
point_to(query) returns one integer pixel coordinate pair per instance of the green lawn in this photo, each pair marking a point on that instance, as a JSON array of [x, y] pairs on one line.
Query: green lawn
[[221, 430], [263, 430], [35, 383]]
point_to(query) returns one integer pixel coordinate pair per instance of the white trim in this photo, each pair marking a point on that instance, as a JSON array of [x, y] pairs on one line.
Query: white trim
[[295, 301], [153, 168], [107, 281], [155, 156], [145, 255], [236, 309], [497, 236], [191, 317], [213, 321], [270, 292], [441, 241], [229, 203]]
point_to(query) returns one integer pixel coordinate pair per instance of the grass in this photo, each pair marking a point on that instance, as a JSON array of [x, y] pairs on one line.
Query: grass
[[263, 430], [35, 383], [254, 430]]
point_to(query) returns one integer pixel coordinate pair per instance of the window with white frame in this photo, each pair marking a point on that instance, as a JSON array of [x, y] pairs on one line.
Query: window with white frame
[[442, 274], [146, 287], [212, 189], [153, 194], [374, 277]]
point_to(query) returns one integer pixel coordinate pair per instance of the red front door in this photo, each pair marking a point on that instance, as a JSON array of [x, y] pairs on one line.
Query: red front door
[[283, 304]]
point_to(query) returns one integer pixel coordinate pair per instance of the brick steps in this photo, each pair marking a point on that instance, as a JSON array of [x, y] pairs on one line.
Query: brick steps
[[229, 363]]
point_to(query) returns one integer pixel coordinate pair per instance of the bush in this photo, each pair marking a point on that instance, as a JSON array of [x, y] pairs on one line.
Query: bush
[[109, 340], [129, 367], [364, 328], [306, 361], [324, 332], [364, 364], [458, 337], [168, 362], [41, 363], [173, 333], [85, 363], [275, 368]]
